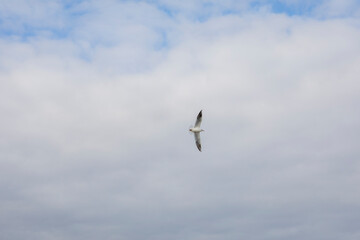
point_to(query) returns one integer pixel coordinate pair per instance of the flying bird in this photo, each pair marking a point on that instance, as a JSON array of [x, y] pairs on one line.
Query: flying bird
[[196, 130]]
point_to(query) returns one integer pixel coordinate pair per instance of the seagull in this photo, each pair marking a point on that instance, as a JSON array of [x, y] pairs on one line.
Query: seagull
[[196, 130]]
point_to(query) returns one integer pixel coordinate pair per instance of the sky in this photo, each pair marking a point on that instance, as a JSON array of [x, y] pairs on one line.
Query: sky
[[96, 98]]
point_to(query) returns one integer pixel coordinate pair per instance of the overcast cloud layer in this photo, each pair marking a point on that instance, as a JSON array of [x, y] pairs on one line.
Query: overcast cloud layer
[[96, 98]]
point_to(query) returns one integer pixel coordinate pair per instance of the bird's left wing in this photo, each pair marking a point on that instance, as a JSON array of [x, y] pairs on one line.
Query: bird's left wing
[[198, 120]]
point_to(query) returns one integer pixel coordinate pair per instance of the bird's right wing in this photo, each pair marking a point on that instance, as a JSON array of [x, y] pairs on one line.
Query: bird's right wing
[[198, 120], [197, 140]]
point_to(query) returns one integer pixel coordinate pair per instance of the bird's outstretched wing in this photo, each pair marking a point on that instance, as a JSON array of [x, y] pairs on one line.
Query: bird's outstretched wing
[[198, 120], [197, 140]]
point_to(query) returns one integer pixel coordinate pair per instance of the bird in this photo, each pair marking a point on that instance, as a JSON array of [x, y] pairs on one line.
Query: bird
[[196, 130]]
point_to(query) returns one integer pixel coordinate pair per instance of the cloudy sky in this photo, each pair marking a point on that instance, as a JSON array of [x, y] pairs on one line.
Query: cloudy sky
[[96, 98]]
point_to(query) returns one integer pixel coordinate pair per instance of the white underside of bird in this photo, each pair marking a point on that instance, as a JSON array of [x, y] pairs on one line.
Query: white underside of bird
[[196, 130]]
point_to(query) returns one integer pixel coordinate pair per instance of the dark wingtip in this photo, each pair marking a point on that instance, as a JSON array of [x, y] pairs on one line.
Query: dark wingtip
[[198, 146]]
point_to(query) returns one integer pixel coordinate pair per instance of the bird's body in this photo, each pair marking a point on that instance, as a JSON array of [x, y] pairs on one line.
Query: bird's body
[[196, 130]]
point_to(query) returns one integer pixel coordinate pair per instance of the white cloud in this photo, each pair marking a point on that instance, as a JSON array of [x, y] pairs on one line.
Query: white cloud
[[19, 15], [96, 146], [336, 8], [199, 10]]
